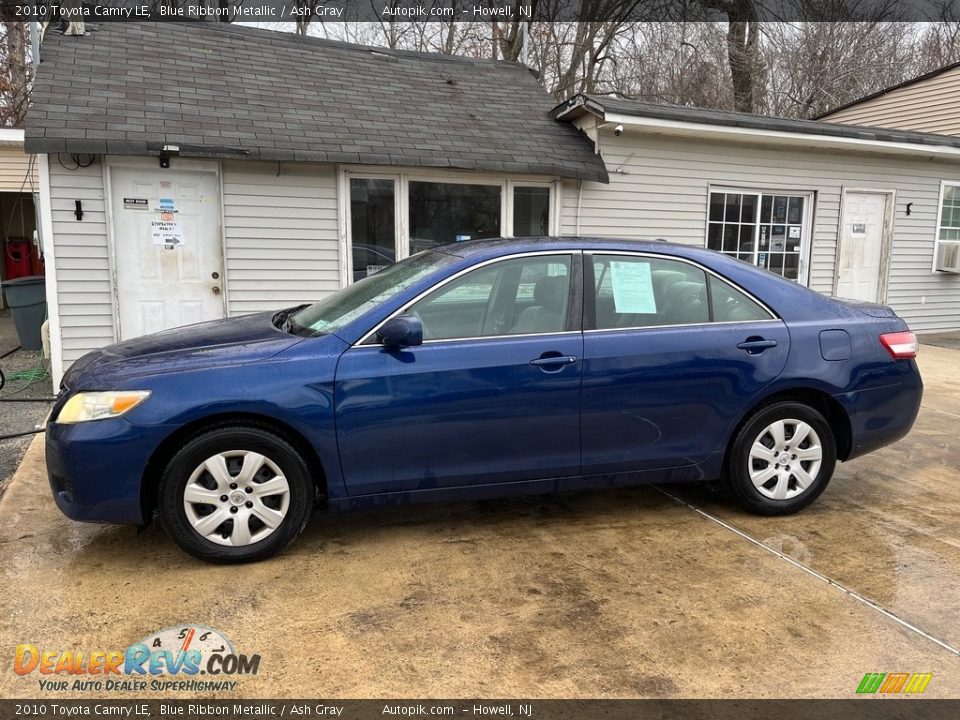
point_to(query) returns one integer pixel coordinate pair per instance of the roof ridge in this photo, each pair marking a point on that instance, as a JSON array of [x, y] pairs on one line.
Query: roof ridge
[[268, 35]]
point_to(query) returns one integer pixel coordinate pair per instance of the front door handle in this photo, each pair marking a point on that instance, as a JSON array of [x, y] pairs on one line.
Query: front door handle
[[756, 345], [554, 360]]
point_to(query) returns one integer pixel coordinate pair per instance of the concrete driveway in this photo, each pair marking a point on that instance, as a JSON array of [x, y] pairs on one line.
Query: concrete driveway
[[628, 593]]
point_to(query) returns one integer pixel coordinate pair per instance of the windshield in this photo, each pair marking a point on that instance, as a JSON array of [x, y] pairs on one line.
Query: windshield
[[343, 307]]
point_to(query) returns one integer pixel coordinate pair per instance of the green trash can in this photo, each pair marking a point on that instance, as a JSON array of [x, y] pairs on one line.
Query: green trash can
[[27, 298]]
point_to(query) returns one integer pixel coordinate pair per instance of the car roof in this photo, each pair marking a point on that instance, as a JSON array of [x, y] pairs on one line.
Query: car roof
[[470, 248]]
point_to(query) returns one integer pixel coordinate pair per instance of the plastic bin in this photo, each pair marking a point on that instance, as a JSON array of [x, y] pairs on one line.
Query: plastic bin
[[27, 298]]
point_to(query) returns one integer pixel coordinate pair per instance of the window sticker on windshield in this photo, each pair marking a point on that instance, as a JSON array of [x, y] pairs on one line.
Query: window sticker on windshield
[[632, 287]]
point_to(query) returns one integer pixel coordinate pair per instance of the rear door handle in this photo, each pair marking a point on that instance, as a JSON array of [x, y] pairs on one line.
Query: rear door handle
[[756, 345], [555, 360]]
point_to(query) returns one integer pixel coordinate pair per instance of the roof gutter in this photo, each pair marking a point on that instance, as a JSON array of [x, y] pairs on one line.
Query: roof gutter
[[808, 140]]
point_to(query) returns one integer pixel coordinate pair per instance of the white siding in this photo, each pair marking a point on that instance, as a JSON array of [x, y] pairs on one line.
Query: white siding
[[925, 106], [82, 256], [659, 185], [281, 234], [13, 170]]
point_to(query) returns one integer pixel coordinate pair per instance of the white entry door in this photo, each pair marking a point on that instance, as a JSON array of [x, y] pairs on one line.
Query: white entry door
[[169, 258], [862, 236]]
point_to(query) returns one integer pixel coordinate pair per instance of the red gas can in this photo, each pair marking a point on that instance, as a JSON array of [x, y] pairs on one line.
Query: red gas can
[[17, 260]]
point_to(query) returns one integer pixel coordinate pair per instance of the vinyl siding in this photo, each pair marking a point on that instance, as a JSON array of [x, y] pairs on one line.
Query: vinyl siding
[[83, 267], [281, 232], [281, 244], [926, 106], [659, 188], [13, 171]]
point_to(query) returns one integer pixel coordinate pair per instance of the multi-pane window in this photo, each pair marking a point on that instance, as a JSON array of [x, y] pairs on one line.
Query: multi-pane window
[[392, 217], [764, 229], [947, 251]]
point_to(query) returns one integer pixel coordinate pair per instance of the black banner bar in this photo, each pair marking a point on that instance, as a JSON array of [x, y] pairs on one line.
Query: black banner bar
[[877, 708], [479, 10]]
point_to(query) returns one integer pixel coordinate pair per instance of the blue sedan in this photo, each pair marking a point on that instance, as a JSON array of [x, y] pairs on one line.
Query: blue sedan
[[476, 370]]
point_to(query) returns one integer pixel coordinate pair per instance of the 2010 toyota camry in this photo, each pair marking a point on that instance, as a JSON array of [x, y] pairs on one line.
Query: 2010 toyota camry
[[482, 369]]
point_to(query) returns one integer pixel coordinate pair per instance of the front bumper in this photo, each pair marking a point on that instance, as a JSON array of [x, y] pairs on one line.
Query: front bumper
[[96, 468]]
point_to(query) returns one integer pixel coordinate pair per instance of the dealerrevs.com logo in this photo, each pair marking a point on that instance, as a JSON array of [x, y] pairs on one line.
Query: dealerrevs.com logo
[[169, 660]]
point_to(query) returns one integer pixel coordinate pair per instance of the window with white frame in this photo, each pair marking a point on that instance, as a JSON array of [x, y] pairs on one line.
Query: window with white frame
[[767, 229], [947, 249], [392, 216]]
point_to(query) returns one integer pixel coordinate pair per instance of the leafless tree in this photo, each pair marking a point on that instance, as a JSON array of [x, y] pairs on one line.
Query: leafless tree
[[16, 73]]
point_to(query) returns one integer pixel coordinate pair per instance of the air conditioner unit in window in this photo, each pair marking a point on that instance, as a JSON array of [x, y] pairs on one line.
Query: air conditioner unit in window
[[948, 257]]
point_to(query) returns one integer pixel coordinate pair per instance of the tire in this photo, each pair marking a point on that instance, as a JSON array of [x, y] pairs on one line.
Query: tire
[[757, 476], [228, 470]]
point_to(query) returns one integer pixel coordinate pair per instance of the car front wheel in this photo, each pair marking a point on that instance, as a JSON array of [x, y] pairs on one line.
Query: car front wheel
[[782, 459], [235, 494]]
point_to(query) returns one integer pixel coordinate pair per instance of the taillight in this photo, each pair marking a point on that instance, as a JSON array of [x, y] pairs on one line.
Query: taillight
[[900, 345]]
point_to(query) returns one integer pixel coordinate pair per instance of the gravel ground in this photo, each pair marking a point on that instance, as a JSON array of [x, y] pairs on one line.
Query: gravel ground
[[18, 416]]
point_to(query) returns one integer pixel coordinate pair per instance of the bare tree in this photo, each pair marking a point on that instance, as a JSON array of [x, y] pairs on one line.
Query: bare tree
[[14, 83]]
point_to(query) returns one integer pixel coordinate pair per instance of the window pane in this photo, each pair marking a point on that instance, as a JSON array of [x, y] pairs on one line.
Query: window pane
[[372, 229], [795, 210], [442, 213], [715, 236], [716, 206], [731, 305], [525, 295], [640, 292], [733, 208], [779, 209], [531, 211], [766, 207], [749, 212]]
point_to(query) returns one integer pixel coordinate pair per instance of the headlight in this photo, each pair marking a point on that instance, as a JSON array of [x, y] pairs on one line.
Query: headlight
[[99, 405]]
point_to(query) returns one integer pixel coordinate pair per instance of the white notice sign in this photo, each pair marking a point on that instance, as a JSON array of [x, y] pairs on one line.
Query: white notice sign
[[632, 287], [168, 233]]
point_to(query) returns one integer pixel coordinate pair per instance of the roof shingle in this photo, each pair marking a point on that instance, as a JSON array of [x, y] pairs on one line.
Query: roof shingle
[[219, 90]]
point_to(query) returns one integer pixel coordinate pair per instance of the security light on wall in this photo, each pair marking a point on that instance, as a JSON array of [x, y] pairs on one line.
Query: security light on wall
[[165, 154]]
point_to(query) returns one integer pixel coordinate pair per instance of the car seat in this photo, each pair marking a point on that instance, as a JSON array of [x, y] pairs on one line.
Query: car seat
[[546, 315]]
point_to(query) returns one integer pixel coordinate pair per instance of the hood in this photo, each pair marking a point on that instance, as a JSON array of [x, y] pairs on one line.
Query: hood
[[235, 340]]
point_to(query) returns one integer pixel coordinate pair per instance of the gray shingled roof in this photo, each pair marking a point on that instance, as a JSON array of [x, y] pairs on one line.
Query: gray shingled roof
[[616, 106], [218, 90]]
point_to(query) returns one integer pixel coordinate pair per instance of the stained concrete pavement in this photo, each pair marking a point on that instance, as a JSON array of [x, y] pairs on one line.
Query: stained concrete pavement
[[625, 593]]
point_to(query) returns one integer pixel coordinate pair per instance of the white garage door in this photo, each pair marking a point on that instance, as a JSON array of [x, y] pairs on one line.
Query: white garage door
[[169, 258]]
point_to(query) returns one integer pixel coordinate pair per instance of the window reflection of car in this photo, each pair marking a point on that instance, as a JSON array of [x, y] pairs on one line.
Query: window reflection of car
[[369, 259]]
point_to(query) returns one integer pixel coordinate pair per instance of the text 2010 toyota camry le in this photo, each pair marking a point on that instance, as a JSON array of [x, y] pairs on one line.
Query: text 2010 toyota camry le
[[483, 369]]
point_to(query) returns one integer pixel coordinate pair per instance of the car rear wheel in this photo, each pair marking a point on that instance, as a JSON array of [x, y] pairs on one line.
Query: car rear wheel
[[782, 459], [235, 494]]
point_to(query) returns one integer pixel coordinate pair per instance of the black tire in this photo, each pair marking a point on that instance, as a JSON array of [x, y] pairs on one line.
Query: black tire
[[739, 463], [229, 439]]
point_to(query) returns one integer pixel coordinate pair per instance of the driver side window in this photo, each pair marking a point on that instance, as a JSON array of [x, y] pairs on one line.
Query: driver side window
[[512, 297]]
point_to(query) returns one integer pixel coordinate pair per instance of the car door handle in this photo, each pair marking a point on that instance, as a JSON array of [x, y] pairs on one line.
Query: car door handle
[[756, 345], [554, 360]]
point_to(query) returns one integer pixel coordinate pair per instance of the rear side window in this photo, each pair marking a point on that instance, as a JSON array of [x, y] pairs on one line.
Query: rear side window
[[731, 305], [635, 292]]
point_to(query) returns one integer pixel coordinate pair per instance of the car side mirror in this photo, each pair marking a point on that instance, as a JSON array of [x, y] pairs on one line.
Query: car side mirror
[[401, 331]]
